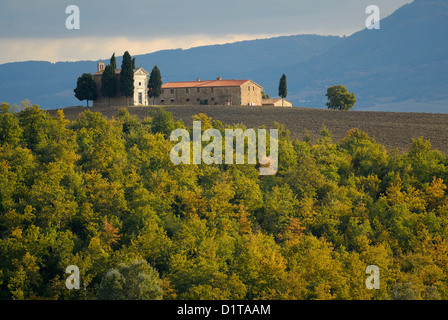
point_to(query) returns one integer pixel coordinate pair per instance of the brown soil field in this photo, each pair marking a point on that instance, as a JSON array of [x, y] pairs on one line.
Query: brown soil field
[[394, 130]]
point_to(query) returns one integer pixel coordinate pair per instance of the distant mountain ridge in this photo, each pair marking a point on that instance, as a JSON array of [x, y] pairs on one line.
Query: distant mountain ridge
[[401, 67], [406, 60]]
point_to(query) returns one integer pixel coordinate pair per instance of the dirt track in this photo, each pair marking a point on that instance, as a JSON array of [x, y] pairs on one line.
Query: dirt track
[[392, 129]]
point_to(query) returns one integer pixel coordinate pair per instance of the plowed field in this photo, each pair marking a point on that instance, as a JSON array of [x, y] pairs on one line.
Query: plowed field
[[392, 129]]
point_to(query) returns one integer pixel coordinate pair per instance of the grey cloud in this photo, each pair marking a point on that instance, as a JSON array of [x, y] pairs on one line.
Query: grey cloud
[[165, 18]]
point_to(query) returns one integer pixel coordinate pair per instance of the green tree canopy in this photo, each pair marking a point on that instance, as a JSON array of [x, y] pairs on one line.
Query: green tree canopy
[[113, 61], [339, 98], [109, 83], [102, 194], [85, 88], [126, 77], [10, 130], [265, 95], [137, 281], [155, 84], [283, 88], [162, 122]]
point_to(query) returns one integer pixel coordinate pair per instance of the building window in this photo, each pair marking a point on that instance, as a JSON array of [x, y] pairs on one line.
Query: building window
[[172, 100], [248, 88], [162, 101], [212, 98], [198, 90], [139, 83], [172, 91], [187, 90], [188, 100], [198, 100], [140, 98], [211, 89]]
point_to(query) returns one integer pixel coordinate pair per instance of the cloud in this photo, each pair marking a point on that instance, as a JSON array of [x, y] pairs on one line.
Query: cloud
[[164, 18], [35, 30], [92, 48]]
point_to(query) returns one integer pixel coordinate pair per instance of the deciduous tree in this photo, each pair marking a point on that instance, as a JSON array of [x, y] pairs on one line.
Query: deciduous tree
[[85, 88], [339, 98], [137, 281]]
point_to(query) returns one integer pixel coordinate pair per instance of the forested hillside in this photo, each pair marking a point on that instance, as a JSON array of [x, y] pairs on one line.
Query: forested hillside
[[98, 193]]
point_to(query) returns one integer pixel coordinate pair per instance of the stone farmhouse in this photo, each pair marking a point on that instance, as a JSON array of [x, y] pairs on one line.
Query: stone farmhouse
[[207, 92], [140, 97], [211, 92]]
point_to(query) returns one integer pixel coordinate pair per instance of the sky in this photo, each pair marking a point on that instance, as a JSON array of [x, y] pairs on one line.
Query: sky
[[36, 30]]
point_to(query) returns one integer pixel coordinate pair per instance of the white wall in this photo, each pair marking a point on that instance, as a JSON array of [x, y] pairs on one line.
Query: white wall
[[140, 85]]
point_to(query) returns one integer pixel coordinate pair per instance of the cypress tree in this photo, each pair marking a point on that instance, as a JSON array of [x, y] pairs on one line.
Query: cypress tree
[[155, 84], [127, 77], [109, 82], [133, 63], [283, 88], [113, 61]]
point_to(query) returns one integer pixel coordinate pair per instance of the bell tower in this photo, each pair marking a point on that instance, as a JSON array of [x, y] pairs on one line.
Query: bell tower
[[100, 66]]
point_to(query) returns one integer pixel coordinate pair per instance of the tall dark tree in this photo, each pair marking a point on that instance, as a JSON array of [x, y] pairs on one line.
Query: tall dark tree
[[109, 82], [85, 88], [113, 61], [133, 63], [127, 77], [155, 84], [339, 98], [283, 88]]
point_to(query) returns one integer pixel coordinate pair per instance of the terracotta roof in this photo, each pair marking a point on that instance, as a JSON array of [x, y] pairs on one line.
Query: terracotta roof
[[205, 83]]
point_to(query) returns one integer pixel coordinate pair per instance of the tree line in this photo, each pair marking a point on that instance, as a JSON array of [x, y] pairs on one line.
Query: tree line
[[110, 87], [104, 196], [338, 96]]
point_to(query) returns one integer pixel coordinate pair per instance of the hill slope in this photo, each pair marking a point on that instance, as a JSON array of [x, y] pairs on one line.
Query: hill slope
[[405, 60]]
